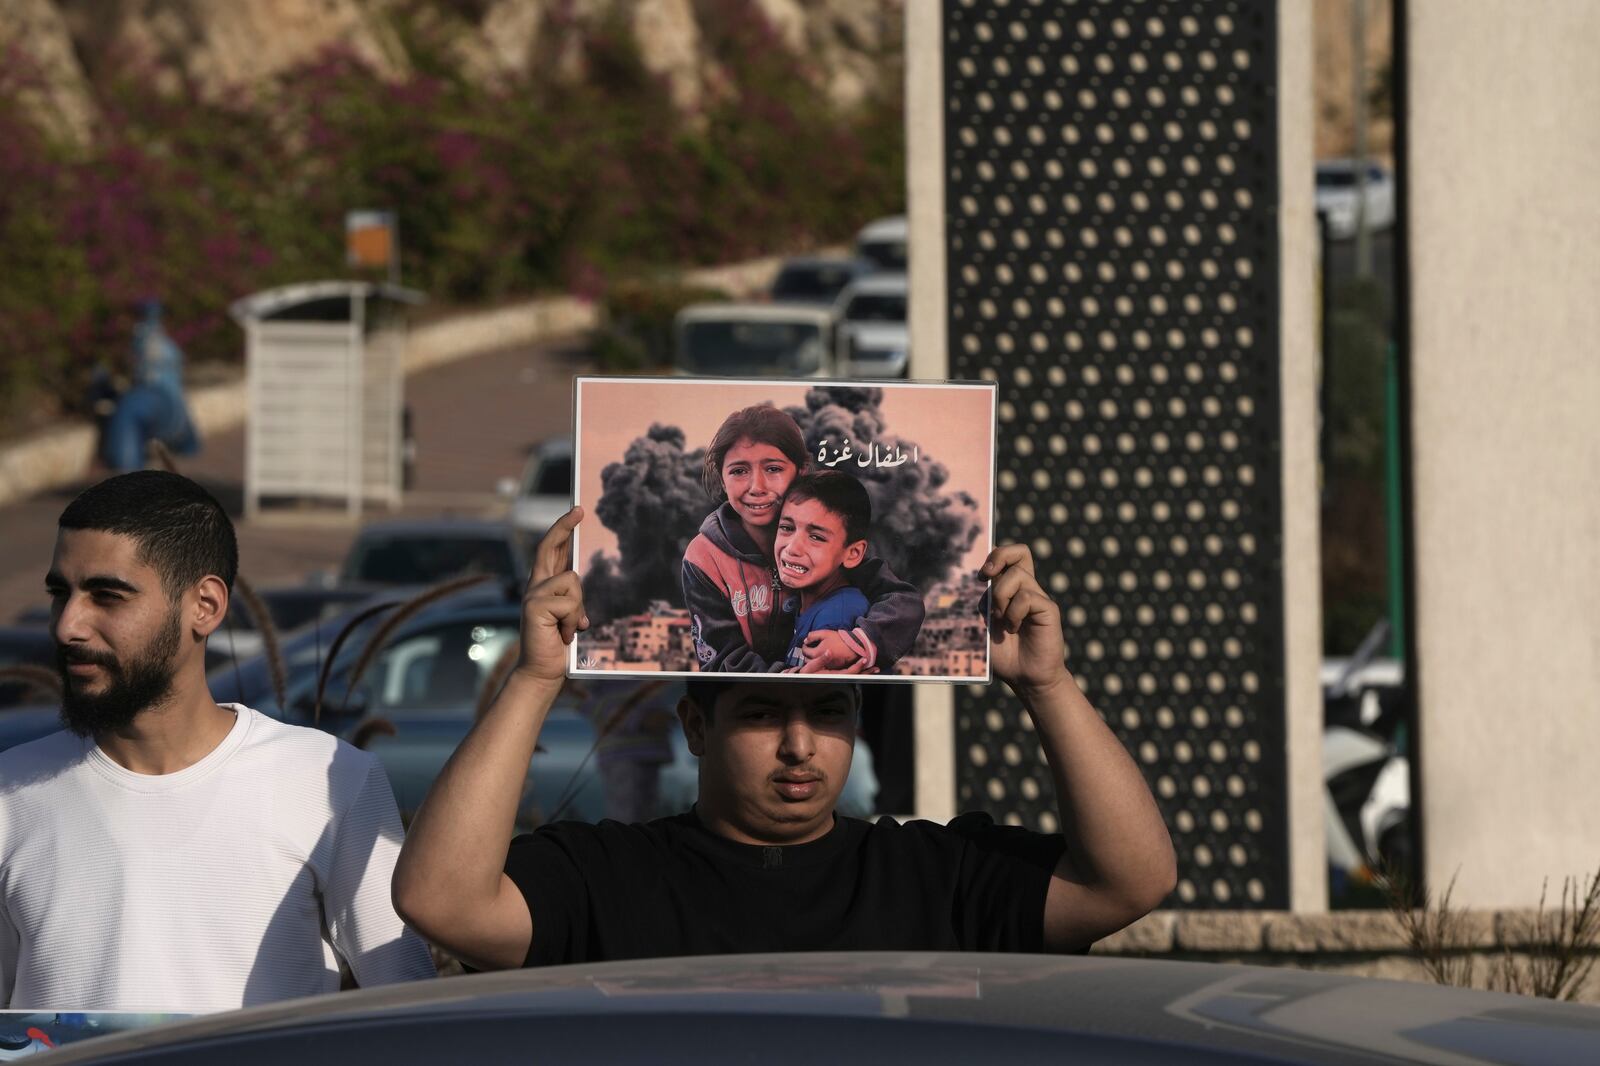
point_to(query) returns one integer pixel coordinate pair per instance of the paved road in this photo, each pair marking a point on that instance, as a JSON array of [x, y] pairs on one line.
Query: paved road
[[474, 420]]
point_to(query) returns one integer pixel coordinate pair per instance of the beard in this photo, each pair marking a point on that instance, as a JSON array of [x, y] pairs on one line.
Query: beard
[[131, 687]]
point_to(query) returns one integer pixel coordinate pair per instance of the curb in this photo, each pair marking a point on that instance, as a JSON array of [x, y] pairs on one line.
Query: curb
[[63, 455]]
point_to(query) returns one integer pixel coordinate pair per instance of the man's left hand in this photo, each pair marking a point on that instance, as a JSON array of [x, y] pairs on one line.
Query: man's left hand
[[1026, 648]]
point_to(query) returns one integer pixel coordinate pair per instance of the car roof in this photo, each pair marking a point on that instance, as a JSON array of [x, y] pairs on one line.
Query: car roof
[[863, 1005], [554, 448], [818, 261], [892, 228], [754, 312], [876, 285]]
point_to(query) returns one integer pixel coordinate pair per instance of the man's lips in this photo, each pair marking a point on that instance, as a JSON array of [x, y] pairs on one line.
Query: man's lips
[[797, 786]]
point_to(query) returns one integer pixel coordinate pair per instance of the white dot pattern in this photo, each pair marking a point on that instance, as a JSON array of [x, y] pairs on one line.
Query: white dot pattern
[[1112, 242]]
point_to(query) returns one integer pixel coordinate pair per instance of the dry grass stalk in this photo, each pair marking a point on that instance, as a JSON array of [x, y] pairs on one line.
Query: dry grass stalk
[[368, 728], [1560, 953], [270, 644], [406, 610], [496, 680], [1439, 936], [343, 635], [41, 678], [1562, 946], [162, 456]]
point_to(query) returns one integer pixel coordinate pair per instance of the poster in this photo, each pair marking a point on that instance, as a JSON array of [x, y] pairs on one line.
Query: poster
[[785, 528]]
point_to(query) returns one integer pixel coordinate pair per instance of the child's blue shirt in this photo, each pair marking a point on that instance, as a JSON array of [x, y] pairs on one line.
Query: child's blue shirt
[[839, 609]]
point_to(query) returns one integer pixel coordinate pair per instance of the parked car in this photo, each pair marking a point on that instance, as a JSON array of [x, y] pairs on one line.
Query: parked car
[[815, 280], [544, 492], [754, 340], [289, 607], [872, 338], [24, 646], [883, 244], [872, 1008], [1337, 196], [428, 551]]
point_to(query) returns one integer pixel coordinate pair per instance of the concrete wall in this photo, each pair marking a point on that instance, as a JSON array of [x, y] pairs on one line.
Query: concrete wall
[[1302, 534], [1504, 230], [933, 705]]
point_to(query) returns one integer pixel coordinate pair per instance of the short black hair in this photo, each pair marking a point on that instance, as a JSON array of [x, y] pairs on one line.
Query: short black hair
[[840, 493], [704, 690], [182, 531]]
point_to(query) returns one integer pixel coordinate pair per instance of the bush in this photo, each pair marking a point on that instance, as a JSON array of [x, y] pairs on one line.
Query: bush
[[499, 190], [639, 317]]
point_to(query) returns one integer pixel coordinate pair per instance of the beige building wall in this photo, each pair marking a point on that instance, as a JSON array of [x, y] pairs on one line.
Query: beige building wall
[[1504, 230], [1302, 534]]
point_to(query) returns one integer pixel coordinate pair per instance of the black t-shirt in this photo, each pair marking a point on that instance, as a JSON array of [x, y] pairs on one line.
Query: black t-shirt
[[671, 887]]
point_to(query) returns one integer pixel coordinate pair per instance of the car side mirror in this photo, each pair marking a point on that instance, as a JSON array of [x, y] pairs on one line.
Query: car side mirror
[[506, 487]]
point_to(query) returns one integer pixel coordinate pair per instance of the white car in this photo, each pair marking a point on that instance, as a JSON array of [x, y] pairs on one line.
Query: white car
[[754, 340], [544, 492], [883, 243], [871, 337], [1337, 197]]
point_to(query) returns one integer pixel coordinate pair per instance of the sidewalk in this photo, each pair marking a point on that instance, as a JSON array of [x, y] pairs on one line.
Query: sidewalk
[[474, 420]]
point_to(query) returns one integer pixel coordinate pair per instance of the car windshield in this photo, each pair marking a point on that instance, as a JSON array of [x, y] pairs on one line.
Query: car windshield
[[552, 477], [886, 255], [1335, 179], [811, 282], [423, 560], [751, 347], [876, 307]]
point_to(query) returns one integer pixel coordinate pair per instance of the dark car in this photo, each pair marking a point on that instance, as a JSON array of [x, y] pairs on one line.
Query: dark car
[[815, 280], [874, 1008], [24, 646], [425, 552]]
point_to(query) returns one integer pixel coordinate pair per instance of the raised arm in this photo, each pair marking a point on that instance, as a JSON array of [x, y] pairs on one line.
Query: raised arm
[[449, 882], [1118, 864]]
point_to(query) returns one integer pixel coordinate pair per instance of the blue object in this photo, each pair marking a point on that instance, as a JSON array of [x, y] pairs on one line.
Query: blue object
[[154, 407]]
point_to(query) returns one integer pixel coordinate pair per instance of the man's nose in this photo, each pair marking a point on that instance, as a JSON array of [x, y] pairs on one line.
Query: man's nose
[[69, 621], [798, 742]]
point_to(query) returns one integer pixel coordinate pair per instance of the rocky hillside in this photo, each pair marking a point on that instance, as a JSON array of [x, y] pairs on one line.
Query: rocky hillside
[[223, 45]]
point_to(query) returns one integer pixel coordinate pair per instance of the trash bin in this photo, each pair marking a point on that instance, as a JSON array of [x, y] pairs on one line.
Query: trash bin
[[325, 378]]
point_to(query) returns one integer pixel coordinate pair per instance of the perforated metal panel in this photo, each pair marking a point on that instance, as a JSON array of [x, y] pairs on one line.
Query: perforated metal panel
[[1112, 238]]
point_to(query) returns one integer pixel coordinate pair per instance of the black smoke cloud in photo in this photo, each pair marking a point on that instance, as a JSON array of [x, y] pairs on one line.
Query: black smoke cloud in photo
[[920, 528], [653, 501]]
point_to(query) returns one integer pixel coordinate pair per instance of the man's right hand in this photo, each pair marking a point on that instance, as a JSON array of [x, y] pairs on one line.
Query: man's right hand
[[552, 605]]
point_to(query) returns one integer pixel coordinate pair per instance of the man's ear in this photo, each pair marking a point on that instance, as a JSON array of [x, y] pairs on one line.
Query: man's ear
[[210, 606], [694, 725], [854, 553]]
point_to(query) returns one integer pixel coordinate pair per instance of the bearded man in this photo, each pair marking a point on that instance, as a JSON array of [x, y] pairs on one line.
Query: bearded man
[[165, 852]]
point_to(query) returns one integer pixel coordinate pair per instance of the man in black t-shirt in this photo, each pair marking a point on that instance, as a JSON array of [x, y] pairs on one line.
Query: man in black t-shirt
[[762, 863]]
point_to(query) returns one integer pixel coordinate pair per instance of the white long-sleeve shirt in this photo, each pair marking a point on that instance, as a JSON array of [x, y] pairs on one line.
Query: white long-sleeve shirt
[[230, 883]]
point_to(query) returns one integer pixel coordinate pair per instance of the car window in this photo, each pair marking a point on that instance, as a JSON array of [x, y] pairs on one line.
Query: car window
[[553, 477], [441, 669], [876, 307], [1335, 179], [715, 347], [886, 255], [814, 281], [423, 560]]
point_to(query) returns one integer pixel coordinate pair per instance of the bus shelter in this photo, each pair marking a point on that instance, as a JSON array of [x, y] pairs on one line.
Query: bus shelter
[[324, 370]]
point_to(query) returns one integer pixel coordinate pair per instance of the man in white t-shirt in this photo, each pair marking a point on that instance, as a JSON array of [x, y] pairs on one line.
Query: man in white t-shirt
[[164, 852]]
